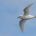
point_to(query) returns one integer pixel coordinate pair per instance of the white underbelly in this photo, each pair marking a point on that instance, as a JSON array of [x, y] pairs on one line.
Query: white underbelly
[[28, 17]]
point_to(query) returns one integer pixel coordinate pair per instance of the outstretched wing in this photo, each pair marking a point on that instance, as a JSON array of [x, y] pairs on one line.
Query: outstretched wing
[[26, 10], [21, 24]]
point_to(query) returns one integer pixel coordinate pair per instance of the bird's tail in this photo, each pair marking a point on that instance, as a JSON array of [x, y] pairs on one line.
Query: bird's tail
[[34, 16]]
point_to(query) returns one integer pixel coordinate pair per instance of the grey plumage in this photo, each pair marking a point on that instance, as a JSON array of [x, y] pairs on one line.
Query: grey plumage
[[25, 17], [21, 24]]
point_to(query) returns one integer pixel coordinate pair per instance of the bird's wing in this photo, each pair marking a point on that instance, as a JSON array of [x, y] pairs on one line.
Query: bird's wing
[[26, 10], [21, 24]]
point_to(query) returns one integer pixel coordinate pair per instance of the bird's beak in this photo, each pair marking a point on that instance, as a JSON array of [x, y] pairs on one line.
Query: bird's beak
[[17, 17]]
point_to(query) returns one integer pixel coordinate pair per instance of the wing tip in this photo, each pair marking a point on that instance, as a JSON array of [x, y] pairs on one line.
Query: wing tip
[[28, 6]]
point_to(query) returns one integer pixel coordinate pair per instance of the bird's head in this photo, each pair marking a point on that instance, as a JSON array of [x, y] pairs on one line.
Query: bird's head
[[19, 17]]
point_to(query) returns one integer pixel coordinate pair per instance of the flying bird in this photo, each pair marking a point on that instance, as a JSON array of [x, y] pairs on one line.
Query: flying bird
[[26, 16]]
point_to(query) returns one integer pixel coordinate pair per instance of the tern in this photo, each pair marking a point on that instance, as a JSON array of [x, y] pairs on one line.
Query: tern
[[26, 16]]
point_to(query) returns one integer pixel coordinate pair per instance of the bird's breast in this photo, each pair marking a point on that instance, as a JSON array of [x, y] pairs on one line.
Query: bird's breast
[[27, 17]]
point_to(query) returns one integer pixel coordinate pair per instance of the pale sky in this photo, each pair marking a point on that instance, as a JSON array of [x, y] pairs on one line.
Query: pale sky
[[9, 11]]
